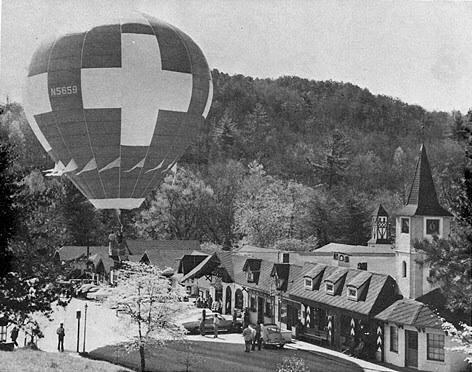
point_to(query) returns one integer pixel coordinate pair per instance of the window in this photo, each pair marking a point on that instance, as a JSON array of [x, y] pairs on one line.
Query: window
[[308, 283], [285, 258], [432, 227], [252, 303], [329, 288], [394, 339], [435, 347], [268, 308], [250, 276], [403, 269], [405, 225], [283, 312], [335, 256], [362, 266], [352, 293]]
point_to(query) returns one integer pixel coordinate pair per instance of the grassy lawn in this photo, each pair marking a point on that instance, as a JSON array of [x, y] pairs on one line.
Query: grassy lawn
[[40, 361], [218, 357]]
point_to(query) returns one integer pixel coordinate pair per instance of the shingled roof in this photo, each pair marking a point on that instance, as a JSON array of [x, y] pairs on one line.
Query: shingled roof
[[422, 198], [141, 246], [410, 312], [380, 290]]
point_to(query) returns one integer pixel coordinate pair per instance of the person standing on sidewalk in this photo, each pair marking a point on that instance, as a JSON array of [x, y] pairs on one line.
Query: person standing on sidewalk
[[257, 337], [247, 334], [14, 335], [60, 337]]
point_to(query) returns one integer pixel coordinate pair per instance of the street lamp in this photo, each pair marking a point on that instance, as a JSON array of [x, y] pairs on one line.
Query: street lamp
[[77, 315], [85, 327]]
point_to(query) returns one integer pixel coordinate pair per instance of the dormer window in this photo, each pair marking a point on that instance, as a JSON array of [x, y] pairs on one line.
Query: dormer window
[[352, 293], [308, 283], [329, 288], [252, 267]]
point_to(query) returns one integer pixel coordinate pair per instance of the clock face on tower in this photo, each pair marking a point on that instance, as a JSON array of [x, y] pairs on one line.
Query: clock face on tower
[[432, 227]]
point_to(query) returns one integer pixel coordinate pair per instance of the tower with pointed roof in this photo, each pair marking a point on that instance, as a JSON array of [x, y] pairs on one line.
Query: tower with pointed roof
[[380, 228], [422, 217]]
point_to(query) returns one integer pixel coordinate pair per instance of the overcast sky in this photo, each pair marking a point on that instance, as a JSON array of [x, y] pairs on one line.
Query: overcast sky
[[420, 52]]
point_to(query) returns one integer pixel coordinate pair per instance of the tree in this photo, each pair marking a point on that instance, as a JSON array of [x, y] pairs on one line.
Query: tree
[[147, 301], [8, 211], [225, 179], [462, 336], [177, 209], [451, 259], [269, 209], [335, 161]]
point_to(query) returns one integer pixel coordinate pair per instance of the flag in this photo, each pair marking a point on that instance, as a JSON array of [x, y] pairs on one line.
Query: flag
[[114, 164], [156, 168], [72, 166], [91, 165], [139, 165]]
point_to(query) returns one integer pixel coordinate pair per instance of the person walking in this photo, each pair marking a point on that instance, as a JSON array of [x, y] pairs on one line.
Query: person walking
[[216, 323], [247, 335], [60, 337], [257, 337], [14, 335]]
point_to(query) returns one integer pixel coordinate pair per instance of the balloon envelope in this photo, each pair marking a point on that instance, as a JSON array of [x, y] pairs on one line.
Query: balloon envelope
[[116, 106]]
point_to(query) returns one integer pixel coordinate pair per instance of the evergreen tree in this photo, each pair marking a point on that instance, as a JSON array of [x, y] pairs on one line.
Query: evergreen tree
[[8, 189]]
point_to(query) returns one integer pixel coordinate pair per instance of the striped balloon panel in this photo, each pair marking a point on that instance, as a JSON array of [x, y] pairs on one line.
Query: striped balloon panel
[[117, 106]]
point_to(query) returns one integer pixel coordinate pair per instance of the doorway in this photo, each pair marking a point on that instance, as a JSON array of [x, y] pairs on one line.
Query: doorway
[[411, 349], [260, 309], [228, 300]]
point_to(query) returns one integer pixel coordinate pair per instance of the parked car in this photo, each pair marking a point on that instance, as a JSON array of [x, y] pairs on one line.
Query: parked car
[[226, 323], [272, 336]]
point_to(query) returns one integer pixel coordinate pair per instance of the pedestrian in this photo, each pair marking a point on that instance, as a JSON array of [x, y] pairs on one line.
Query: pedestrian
[[247, 335], [60, 337], [14, 335], [216, 323], [257, 337]]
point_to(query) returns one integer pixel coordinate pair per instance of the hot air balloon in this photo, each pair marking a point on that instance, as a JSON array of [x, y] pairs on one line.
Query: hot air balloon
[[116, 106]]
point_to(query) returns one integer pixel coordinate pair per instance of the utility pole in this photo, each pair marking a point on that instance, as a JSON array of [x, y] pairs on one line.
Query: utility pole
[[78, 314], [85, 328]]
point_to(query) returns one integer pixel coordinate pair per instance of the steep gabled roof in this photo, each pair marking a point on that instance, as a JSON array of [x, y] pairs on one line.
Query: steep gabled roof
[[377, 290], [410, 312], [422, 198], [141, 246], [380, 211], [163, 258]]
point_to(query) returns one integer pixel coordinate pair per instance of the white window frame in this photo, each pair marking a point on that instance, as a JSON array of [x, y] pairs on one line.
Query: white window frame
[[329, 291], [425, 219], [409, 225], [305, 283], [354, 296]]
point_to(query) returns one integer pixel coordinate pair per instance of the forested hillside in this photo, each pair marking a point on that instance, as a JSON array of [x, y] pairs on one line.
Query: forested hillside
[[287, 162]]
